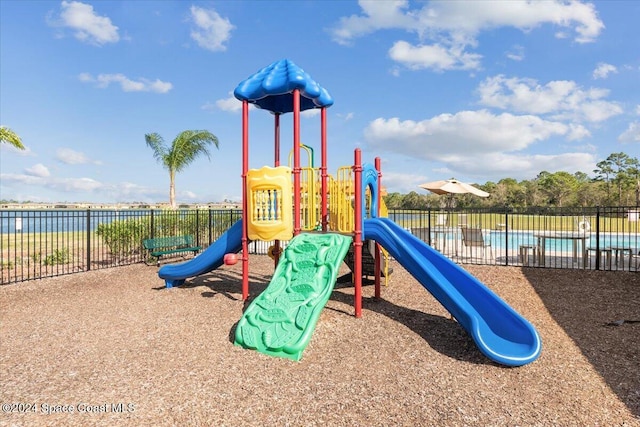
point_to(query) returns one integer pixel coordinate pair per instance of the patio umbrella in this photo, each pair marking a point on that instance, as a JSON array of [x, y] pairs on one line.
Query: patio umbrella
[[452, 186]]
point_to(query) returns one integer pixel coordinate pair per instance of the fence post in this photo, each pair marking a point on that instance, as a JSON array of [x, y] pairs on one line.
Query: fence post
[[210, 227], [152, 231], [506, 235], [429, 226], [197, 227], [88, 239], [597, 237]]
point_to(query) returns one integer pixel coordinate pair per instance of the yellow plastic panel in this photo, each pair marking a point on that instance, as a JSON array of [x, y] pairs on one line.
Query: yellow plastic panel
[[270, 203], [310, 188], [341, 201]]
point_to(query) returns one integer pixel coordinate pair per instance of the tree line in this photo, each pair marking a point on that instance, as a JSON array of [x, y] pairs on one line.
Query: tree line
[[615, 182]]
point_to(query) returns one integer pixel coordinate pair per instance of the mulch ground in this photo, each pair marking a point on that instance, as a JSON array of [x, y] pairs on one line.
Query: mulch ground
[[116, 348]]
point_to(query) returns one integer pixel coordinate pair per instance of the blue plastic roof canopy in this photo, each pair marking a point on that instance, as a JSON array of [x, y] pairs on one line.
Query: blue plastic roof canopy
[[272, 88]]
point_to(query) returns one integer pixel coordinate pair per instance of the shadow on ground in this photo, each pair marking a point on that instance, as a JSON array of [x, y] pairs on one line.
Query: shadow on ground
[[227, 284], [598, 310], [443, 334]]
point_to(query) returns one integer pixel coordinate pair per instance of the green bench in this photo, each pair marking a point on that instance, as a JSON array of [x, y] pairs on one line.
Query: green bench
[[162, 246]]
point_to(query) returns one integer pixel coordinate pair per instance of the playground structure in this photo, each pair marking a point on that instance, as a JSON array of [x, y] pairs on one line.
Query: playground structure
[[322, 217]]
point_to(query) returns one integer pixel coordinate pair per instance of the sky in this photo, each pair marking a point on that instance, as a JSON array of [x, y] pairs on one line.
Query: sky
[[476, 90]]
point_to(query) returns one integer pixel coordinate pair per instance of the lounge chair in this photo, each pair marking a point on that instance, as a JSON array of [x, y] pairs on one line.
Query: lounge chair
[[441, 220], [473, 238], [619, 253], [604, 254], [421, 233], [634, 259]]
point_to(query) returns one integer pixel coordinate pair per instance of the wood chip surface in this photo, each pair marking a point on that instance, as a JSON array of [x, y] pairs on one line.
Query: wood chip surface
[[118, 349]]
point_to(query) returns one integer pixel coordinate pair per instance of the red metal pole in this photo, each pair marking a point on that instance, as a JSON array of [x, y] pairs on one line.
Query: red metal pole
[[377, 215], [296, 162], [357, 232], [276, 163], [276, 139], [245, 214], [323, 168]]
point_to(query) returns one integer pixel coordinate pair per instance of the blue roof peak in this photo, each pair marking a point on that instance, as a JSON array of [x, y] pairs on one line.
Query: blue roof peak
[[272, 87]]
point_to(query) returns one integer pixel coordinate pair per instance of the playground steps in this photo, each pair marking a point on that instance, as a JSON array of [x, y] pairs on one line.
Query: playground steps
[[368, 260]]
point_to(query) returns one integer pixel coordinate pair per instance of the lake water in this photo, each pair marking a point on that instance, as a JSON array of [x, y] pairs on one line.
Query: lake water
[[39, 221], [70, 220]]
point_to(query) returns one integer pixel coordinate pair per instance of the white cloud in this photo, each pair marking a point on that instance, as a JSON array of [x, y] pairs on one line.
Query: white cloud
[[212, 31], [79, 184], [402, 182], [577, 132], [130, 191], [208, 106], [229, 104], [516, 53], [377, 15], [27, 152], [38, 170], [142, 85], [72, 157], [22, 179], [85, 78], [78, 188], [442, 138], [521, 166], [88, 26], [603, 70], [479, 145], [434, 56], [61, 184], [451, 27], [188, 195], [631, 134], [346, 117], [563, 99], [469, 18], [313, 112]]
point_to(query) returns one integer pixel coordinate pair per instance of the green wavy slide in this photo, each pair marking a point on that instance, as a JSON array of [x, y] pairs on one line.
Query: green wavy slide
[[280, 321]]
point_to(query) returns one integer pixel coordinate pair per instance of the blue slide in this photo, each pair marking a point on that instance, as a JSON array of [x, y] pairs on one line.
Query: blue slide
[[210, 259], [499, 331]]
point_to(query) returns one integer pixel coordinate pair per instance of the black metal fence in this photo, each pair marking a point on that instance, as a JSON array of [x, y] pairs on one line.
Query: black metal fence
[[593, 238], [43, 243]]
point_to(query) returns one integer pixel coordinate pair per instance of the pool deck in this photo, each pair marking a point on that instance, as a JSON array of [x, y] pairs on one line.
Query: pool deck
[[621, 258]]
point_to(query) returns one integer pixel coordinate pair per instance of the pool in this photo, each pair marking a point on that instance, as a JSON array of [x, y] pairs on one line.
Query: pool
[[501, 240], [512, 240]]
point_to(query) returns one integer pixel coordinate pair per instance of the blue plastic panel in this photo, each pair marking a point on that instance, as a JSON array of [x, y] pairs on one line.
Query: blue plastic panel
[[272, 88]]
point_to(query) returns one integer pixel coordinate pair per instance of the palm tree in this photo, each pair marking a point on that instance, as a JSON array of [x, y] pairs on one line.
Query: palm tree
[[10, 137], [188, 145]]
